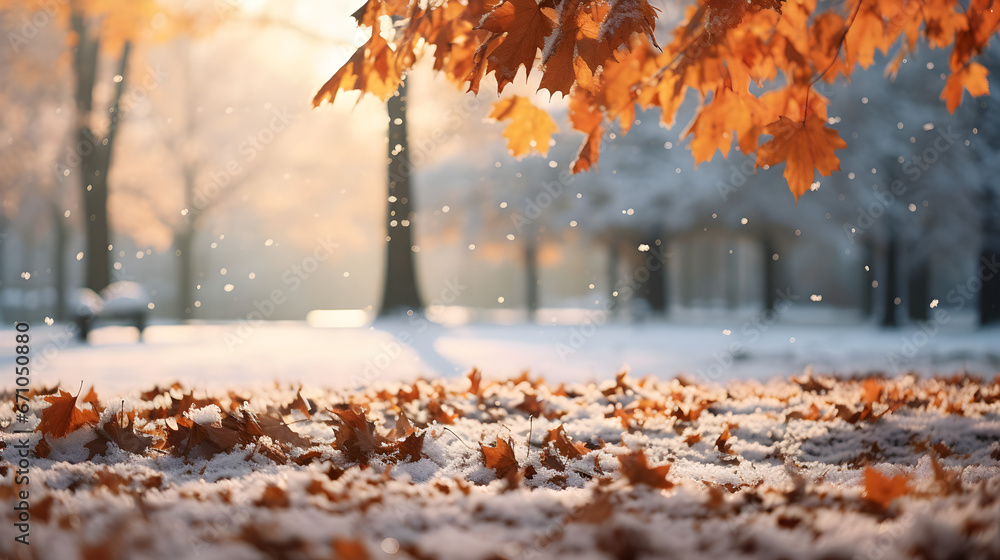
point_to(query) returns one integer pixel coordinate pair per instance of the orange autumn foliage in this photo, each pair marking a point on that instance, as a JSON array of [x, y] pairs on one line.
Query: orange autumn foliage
[[500, 458], [63, 416], [881, 489], [603, 55], [529, 128]]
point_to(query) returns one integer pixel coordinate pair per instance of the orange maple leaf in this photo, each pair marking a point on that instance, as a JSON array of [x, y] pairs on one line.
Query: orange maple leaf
[[881, 489], [356, 435], [524, 28], [500, 458], [871, 391], [635, 468], [805, 147], [565, 446], [530, 128], [403, 427], [373, 68], [588, 120], [866, 34], [63, 417], [574, 42], [712, 128], [971, 77], [626, 17], [825, 35], [729, 110]]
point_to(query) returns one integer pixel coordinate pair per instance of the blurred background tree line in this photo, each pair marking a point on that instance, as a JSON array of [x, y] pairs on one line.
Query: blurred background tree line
[[192, 128]]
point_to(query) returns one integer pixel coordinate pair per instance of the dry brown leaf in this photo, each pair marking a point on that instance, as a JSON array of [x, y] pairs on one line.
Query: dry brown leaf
[[881, 489], [566, 446], [273, 497], [500, 458], [637, 471], [63, 416], [346, 549]]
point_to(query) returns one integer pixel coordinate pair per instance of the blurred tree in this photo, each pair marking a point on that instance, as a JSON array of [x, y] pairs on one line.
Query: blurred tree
[[95, 27], [94, 150], [36, 124], [988, 119], [400, 292]]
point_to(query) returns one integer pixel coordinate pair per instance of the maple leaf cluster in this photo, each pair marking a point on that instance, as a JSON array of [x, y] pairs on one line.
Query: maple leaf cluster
[[686, 453], [173, 421], [752, 65]]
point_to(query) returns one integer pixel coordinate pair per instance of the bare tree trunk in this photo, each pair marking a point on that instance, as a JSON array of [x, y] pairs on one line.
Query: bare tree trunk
[[95, 154], [59, 261], [654, 289], [989, 297], [531, 274], [891, 280], [614, 258], [919, 289], [867, 291], [770, 273], [184, 239], [400, 291]]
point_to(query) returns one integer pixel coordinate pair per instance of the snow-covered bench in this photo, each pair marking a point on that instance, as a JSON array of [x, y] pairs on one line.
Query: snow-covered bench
[[120, 302]]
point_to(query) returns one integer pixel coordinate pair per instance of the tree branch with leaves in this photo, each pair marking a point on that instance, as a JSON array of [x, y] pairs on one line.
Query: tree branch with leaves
[[751, 64]]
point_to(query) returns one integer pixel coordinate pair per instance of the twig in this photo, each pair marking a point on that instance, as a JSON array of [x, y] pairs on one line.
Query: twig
[[459, 438], [530, 425]]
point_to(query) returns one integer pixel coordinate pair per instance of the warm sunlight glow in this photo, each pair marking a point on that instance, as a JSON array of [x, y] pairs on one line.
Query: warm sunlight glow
[[337, 318]]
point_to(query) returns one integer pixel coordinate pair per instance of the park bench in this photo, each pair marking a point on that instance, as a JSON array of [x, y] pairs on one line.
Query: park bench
[[119, 303]]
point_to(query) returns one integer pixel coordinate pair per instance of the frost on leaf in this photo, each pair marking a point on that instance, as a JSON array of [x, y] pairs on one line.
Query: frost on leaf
[[125, 437], [520, 28], [567, 447], [624, 18], [572, 54], [356, 435]]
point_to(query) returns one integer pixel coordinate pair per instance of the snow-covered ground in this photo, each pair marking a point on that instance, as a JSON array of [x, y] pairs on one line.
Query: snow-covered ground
[[807, 468], [240, 354], [795, 467]]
